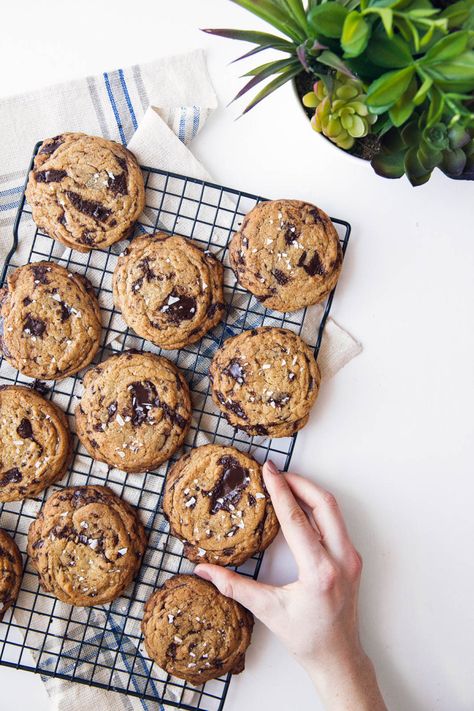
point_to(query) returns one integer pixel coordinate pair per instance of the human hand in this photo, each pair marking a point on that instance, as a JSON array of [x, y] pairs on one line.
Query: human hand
[[316, 616]]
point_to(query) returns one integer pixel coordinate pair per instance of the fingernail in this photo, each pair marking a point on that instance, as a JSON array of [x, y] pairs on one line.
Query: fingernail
[[202, 573], [272, 468]]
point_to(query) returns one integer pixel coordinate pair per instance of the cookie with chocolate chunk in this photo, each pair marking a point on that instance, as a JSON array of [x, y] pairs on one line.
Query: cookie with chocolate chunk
[[265, 381], [36, 443], [194, 632], [11, 568], [287, 253], [169, 290], [135, 411], [216, 502], [86, 545], [85, 191], [51, 321]]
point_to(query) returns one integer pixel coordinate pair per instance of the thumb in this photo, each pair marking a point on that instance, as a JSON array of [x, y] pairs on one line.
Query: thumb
[[257, 597]]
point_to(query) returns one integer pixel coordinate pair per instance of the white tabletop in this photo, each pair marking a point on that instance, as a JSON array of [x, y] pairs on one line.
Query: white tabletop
[[392, 433]]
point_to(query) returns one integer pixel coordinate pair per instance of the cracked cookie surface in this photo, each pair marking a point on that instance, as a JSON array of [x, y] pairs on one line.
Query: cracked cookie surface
[[86, 545], [11, 569], [217, 504], [287, 253], [194, 632], [36, 443], [135, 411], [85, 191], [265, 381], [50, 321], [169, 290]]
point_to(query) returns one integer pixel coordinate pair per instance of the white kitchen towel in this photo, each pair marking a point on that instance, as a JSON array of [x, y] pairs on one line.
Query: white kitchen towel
[[156, 109]]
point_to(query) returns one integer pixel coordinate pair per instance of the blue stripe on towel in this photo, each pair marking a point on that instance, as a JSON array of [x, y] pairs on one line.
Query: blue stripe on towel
[[182, 125], [114, 107], [127, 99], [196, 118]]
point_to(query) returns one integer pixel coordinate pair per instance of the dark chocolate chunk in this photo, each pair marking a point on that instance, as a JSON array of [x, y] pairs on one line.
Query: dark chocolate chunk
[[314, 267], [89, 207], [40, 274], [144, 397], [26, 301], [290, 234], [118, 184], [232, 406], [34, 326], [112, 409], [39, 386], [25, 429], [281, 277], [228, 490], [12, 476], [235, 370], [65, 311], [50, 176], [49, 148], [181, 308]]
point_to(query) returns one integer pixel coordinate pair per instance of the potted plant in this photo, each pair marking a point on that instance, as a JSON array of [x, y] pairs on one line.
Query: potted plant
[[390, 81]]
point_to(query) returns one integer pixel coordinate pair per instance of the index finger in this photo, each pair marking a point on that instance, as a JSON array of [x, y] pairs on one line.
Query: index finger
[[301, 537]]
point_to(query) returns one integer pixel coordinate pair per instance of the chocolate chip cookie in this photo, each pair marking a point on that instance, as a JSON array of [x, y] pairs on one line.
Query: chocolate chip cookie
[[169, 291], [135, 411], [36, 443], [265, 381], [11, 568], [194, 632], [216, 502], [84, 191], [51, 321], [86, 545], [287, 253]]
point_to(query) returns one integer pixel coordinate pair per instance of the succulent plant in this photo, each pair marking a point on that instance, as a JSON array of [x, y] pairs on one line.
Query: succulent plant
[[416, 150], [341, 111], [410, 63]]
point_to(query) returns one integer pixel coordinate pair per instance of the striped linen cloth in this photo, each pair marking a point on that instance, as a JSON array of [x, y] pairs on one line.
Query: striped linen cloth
[[157, 109]]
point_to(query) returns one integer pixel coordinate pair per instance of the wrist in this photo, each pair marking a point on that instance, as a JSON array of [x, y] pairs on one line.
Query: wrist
[[347, 682]]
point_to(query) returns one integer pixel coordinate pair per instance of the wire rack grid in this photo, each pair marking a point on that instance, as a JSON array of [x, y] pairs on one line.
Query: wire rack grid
[[103, 646]]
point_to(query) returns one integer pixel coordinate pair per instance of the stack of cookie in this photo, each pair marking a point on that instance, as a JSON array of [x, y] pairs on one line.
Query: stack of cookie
[[87, 544]]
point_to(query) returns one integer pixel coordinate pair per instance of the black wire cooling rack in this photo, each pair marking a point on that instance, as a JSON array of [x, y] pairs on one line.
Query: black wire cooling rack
[[103, 646]]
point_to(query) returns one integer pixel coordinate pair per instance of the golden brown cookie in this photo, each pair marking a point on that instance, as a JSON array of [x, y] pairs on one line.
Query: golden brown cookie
[[11, 569], [51, 321], [85, 191], [86, 545], [287, 253], [36, 443], [135, 411], [169, 290], [194, 632], [265, 381], [216, 502]]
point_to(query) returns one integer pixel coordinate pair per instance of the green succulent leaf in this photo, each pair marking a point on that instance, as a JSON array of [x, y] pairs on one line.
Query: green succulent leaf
[[457, 74], [389, 165], [328, 19], [447, 48], [386, 15], [272, 13], [390, 53], [422, 92], [436, 107], [404, 107], [330, 59], [355, 34], [297, 10], [276, 83], [416, 173], [458, 13], [384, 92]]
